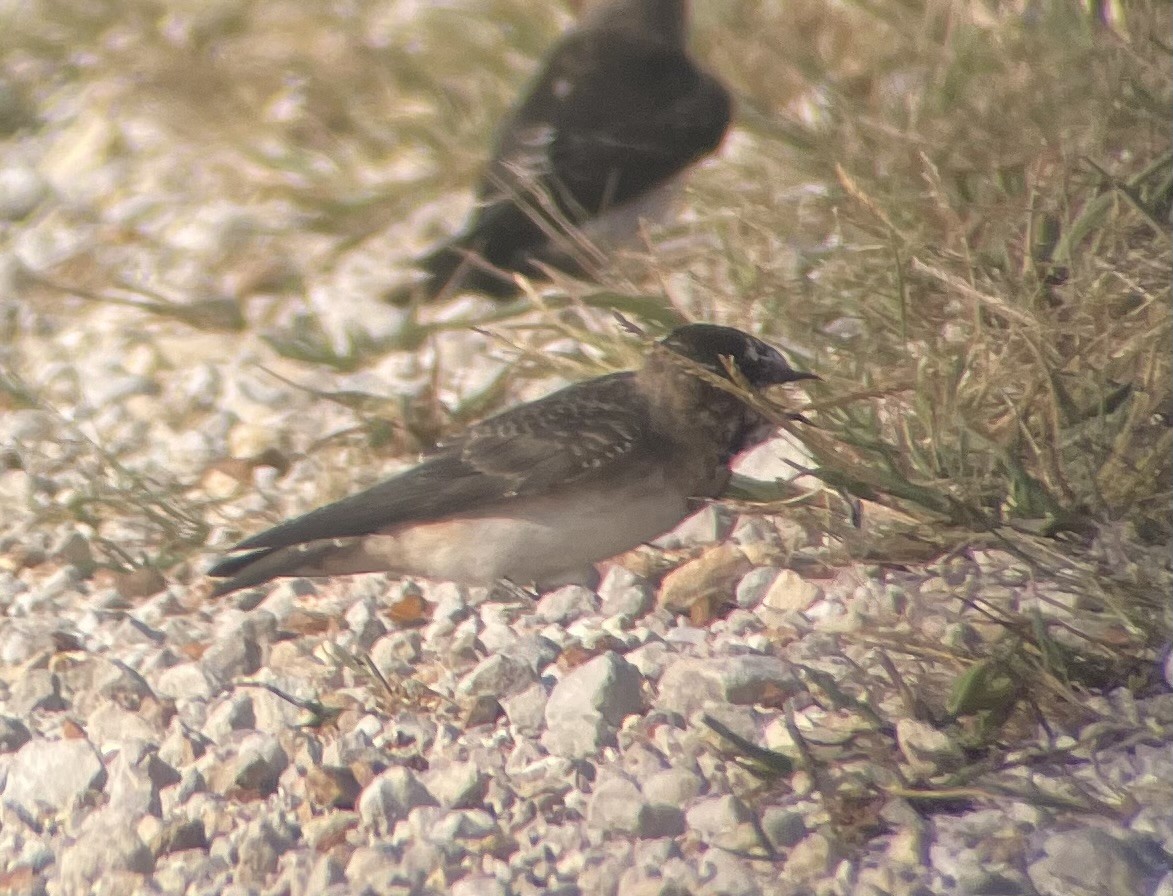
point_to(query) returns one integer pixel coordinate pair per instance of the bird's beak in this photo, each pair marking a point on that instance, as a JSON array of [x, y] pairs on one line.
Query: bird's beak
[[781, 372]]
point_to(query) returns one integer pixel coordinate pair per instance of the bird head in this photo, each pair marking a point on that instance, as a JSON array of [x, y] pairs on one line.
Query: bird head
[[706, 344]]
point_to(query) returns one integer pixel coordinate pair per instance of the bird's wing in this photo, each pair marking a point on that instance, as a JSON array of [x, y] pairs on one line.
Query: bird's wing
[[589, 430], [612, 116], [584, 431]]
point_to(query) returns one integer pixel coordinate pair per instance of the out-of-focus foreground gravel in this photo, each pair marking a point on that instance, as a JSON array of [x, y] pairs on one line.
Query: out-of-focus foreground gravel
[[195, 223]]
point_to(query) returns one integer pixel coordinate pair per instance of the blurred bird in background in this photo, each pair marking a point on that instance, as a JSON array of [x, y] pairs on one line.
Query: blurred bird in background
[[617, 112]]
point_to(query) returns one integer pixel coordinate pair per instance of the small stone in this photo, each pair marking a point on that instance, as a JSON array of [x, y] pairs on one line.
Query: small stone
[[482, 710], [389, 798], [637, 882], [708, 525], [362, 618], [479, 885], [178, 834], [73, 548], [589, 701], [536, 650], [1011, 883], [474, 827], [106, 845], [706, 583], [333, 787], [396, 650], [21, 190], [141, 582], [181, 748], [498, 636], [1092, 862], [264, 842], [661, 821], [16, 108], [650, 659], [378, 869], [927, 750], [326, 873], [248, 439], [324, 832], [225, 479], [809, 859], [623, 593], [23, 880], [688, 684], [615, 807], [566, 604], [37, 689], [253, 768], [526, 710], [136, 775], [580, 737], [232, 656], [783, 827], [186, 681], [191, 783], [605, 874], [53, 774], [497, 676], [233, 713], [728, 874], [672, 787], [790, 592], [458, 785], [726, 823], [607, 685], [754, 586]]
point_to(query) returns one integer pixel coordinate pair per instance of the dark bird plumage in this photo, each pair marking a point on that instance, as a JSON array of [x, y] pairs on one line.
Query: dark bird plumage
[[544, 490], [617, 111]]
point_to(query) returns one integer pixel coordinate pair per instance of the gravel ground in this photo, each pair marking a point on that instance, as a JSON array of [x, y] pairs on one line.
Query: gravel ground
[[736, 712]]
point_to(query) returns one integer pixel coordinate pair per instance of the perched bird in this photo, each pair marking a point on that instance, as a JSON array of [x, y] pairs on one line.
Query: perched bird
[[539, 493], [617, 111]]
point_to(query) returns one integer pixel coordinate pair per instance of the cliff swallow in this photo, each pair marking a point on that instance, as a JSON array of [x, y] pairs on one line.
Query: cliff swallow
[[544, 490]]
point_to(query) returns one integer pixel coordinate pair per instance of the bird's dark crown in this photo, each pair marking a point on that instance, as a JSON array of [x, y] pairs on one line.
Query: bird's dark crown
[[706, 344], [662, 19]]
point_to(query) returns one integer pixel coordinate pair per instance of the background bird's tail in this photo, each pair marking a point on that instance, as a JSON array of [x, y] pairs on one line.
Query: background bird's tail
[[452, 268]]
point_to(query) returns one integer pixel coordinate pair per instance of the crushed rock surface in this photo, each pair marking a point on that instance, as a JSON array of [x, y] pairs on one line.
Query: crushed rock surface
[[368, 735]]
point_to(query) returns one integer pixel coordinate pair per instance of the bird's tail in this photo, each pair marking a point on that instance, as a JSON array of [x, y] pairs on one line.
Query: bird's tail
[[257, 567], [451, 268]]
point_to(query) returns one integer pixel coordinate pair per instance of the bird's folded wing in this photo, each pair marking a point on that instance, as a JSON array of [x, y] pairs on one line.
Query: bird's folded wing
[[597, 429], [585, 431]]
